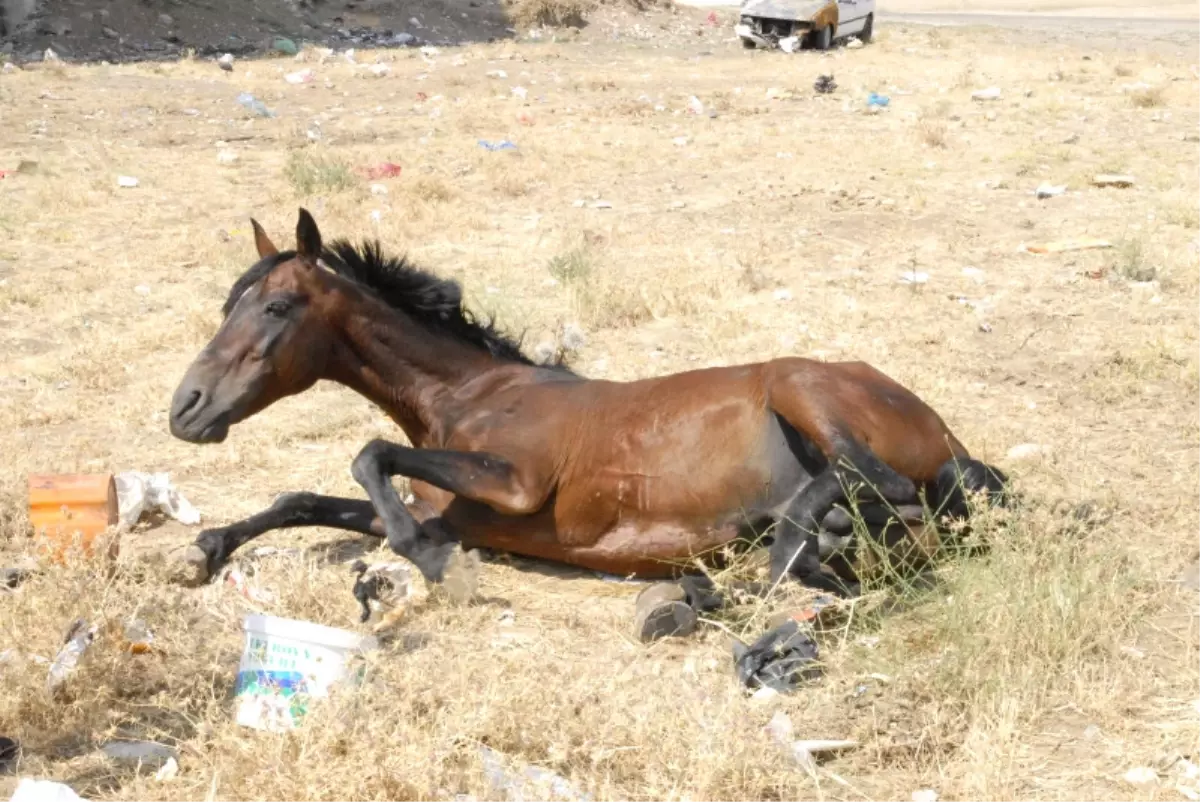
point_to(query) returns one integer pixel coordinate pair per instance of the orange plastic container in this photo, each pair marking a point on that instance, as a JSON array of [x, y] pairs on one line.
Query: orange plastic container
[[66, 507]]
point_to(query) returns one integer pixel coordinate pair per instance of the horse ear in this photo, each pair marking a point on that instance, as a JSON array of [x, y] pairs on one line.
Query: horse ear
[[262, 241], [308, 237]]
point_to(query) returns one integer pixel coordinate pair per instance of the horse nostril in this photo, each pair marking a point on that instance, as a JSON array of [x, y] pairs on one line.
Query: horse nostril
[[193, 402]]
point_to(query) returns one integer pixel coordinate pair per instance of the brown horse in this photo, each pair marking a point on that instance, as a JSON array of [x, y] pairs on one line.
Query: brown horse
[[621, 477]]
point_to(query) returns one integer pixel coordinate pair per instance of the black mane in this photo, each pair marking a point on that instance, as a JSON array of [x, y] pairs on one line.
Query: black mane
[[436, 303]]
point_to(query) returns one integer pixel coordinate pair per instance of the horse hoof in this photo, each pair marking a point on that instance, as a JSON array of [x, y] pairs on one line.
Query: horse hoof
[[662, 613], [191, 568], [460, 578]]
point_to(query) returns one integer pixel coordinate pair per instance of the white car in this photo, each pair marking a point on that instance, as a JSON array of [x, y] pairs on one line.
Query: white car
[[816, 24]]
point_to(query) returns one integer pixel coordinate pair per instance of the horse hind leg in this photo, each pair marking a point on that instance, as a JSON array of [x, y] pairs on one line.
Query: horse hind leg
[[957, 478], [853, 470]]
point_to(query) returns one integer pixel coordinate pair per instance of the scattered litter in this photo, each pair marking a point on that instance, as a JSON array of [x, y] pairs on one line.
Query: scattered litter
[[1049, 191], [781, 659], [973, 273], [853, 43], [914, 277], [379, 70], [1026, 451], [680, 140], [763, 695], [381, 587], [497, 74], [601, 204], [79, 638], [880, 101], [1081, 244], [1190, 578], [503, 144], [379, 189], [925, 795], [139, 636], [991, 93], [287, 663], [238, 581], [662, 611], [168, 771], [225, 62], [783, 294], [1141, 776], [140, 752], [520, 92], [775, 93], [127, 181], [712, 19], [804, 751], [301, 77], [381, 170], [43, 791], [13, 576], [517, 786], [284, 45], [138, 492], [253, 104], [1107, 180], [10, 749], [824, 84], [226, 156], [695, 106], [50, 55]]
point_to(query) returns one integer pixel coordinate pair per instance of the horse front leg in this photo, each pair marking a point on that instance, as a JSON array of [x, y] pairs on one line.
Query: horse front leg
[[477, 476], [213, 547]]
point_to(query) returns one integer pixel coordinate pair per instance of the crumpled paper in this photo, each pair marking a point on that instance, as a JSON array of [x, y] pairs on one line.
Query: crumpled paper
[[138, 492]]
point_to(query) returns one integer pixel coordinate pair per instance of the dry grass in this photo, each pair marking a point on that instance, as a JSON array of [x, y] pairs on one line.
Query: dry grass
[[1043, 669], [1149, 98]]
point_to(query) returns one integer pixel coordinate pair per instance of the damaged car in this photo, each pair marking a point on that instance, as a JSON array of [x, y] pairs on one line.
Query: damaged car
[[791, 25]]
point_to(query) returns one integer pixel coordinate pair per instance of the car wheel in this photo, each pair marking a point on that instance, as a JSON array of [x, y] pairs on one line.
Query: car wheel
[[821, 39]]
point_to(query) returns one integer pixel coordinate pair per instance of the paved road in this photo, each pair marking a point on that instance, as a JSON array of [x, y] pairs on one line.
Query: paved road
[[1049, 22], [1041, 22]]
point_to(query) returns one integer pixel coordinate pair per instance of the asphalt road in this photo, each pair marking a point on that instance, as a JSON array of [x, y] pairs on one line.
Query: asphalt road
[[1142, 26], [1049, 22]]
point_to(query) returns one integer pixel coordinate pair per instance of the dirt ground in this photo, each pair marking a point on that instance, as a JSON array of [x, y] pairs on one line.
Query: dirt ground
[[783, 224]]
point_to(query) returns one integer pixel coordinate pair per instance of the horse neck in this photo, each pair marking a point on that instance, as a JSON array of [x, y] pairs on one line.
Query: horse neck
[[420, 378]]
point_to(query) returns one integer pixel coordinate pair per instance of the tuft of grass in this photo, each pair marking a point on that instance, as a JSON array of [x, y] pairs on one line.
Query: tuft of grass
[[1150, 98], [932, 132], [431, 189], [1131, 263], [311, 172], [1184, 213], [550, 13]]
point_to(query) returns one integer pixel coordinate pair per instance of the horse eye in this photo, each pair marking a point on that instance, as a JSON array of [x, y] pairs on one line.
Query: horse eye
[[278, 308]]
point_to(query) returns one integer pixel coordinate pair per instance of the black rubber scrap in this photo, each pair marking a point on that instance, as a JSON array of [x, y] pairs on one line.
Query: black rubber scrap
[[824, 84], [9, 751], [782, 659]]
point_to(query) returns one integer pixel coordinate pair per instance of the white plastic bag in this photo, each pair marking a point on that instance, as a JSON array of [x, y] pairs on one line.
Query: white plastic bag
[[138, 492], [43, 791]]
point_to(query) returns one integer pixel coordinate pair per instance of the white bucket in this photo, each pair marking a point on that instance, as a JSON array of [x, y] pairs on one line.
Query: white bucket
[[285, 663]]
